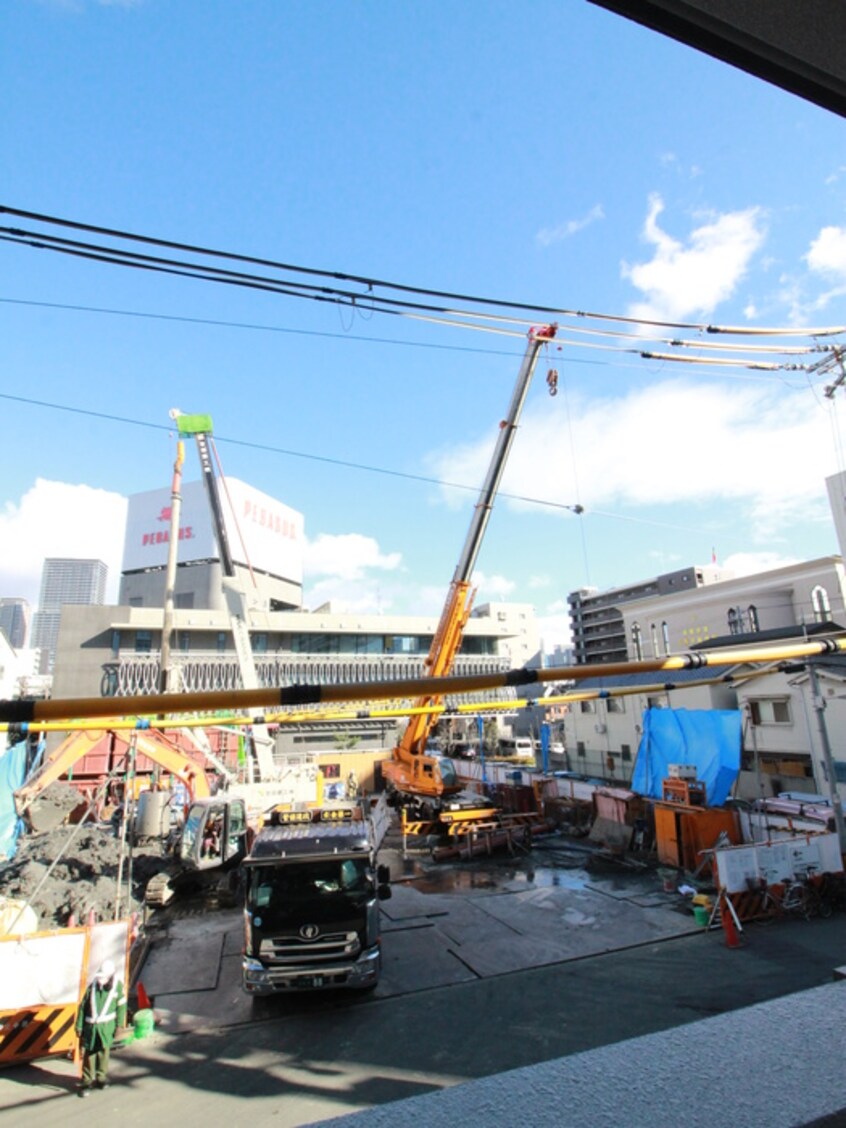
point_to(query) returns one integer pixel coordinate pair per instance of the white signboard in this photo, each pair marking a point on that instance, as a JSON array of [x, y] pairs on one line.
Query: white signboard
[[262, 532], [47, 969], [776, 862]]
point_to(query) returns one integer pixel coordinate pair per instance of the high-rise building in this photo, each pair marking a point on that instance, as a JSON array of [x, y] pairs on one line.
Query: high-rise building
[[63, 581], [14, 622]]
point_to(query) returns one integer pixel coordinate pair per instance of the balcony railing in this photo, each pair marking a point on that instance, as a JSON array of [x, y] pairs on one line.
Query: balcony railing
[[130, 674]]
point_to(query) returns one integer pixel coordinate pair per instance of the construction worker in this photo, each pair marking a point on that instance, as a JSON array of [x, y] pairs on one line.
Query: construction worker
[[102, 1010]]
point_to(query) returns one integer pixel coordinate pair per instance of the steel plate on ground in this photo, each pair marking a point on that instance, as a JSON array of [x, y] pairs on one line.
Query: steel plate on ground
[[173, 967]]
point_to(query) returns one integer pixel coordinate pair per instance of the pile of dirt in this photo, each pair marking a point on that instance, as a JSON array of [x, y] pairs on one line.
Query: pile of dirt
[[85, 878]]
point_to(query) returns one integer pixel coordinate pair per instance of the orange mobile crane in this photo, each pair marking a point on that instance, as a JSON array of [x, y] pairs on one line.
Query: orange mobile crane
[[416, 780]]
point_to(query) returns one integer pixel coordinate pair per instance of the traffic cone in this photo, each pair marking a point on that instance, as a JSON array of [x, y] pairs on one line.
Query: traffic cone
[[729, 927], [143, 998]]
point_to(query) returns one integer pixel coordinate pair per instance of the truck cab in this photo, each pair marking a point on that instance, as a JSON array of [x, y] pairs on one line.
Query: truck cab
[[313, 888]]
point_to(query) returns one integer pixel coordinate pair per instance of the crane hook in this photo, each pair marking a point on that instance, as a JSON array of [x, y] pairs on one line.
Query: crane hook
[[552, 381]]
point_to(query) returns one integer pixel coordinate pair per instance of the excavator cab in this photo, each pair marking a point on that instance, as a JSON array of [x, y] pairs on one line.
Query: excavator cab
[[214, 834], [449, 778]]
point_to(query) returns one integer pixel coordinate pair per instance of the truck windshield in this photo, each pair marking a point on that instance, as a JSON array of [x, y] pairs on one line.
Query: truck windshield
[[338, 886]]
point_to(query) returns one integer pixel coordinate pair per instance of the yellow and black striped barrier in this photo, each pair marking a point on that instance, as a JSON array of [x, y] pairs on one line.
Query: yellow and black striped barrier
[[36, 1032]]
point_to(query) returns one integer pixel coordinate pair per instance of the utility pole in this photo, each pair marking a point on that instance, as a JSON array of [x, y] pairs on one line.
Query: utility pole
[[165, 672], [828, 759]]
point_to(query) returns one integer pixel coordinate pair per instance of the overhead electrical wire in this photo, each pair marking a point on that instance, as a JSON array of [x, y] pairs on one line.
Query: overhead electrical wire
[[373, 302], [749, 374], [251, 445], [372, 282], [417, 311], [376, 302], [108, 417]]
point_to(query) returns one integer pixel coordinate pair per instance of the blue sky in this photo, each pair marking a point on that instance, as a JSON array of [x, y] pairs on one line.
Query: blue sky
[[546, 153]]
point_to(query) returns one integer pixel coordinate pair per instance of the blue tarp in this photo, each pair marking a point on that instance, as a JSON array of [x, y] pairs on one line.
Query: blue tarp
[[12, 773], [709, 739]]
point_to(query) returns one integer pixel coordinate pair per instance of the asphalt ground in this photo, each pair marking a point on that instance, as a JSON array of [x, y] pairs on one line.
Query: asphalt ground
[[297, 1060]]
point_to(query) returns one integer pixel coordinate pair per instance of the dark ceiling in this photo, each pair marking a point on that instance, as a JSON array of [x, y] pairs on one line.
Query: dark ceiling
[[795, 44]]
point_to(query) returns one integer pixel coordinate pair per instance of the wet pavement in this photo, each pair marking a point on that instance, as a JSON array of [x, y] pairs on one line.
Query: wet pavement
[[444, 924]]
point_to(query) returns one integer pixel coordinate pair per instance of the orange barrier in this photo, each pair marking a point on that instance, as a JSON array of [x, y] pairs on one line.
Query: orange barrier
[[750, 905], [37, 1032], [55, 965]]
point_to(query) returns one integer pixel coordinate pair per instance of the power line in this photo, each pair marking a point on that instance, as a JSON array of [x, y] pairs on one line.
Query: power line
[[347, 336], [268, 448], [373, 283]]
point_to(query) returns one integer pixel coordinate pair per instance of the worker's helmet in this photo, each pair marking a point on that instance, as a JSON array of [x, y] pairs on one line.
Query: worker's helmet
[[106, 972]]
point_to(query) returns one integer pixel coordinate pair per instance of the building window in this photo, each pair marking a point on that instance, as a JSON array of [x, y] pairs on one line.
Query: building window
[[183, 639], [637, 642], [260, 642], [184, 600], [405, 644], [115, 642], [136, 601], [657, 702], [143, 642], [654, 641], [580, 748], [665, 635], [821, 605], [616, 704], [770, 710], [734, 624], [626, 753], [587, 706], [754, 626], [221, 642]]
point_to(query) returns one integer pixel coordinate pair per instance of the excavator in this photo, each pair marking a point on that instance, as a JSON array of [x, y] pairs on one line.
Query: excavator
[[415, 779], [214, 835]]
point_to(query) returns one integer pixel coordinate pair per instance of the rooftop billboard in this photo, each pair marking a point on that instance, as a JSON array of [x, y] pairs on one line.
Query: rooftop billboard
[[262, 532]]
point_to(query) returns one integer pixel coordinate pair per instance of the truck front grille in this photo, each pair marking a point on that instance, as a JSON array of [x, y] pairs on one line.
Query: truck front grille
[[290, 948]]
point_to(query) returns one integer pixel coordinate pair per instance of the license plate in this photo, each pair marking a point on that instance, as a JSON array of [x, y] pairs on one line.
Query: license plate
[[307, 981]]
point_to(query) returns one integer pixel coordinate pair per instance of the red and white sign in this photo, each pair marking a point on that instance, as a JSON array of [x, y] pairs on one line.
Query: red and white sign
[[261, 531]]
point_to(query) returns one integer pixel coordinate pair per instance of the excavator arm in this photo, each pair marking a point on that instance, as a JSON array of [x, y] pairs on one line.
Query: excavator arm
[[80, 744]]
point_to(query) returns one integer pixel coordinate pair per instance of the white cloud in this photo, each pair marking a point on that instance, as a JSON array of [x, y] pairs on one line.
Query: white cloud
[[674, 442], [549, 235], [827, 253], [59, 519], [492, 587], [344, 565], [750, 563], [347, 556], [681, 280], [554, 626]]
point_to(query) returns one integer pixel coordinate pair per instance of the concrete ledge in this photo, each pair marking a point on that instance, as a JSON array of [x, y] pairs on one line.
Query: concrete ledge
[[774, 1065]]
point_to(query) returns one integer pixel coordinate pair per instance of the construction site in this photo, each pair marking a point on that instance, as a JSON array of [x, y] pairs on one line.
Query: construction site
[[482, 907]]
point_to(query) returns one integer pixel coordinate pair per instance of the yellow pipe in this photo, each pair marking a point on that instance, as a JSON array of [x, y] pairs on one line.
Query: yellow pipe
[[31, 712]]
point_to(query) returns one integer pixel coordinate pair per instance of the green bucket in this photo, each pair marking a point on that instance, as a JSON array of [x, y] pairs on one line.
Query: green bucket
[[144, 1023], [700, 915]]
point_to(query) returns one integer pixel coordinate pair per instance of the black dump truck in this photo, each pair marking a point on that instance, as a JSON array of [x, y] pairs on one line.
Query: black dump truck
[[312, 899]]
